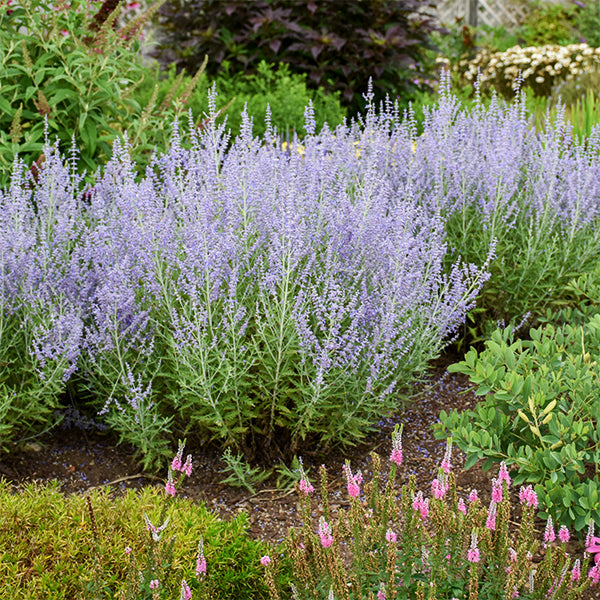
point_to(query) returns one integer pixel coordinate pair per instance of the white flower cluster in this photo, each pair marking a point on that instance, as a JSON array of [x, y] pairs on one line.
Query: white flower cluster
[[538, 67]]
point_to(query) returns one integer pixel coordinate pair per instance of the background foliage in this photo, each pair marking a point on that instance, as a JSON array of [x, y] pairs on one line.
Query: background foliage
[[381, 40]]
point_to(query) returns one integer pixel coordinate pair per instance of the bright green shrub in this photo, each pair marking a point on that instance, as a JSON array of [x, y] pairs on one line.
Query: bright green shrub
[[70, 68], [587, 21], [540, 413], [286, 94], [55, 66], [548, 23]]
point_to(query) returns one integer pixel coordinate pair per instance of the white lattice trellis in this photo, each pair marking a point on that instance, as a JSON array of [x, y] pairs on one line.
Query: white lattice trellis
[[489, 12]]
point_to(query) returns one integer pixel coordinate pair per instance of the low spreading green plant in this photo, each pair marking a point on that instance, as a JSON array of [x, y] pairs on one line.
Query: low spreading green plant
[[94, 546], [539, 413], [390, 543], [241, 474]]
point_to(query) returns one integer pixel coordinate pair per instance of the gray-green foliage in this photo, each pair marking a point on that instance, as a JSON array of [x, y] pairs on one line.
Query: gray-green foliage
[[30, 386], [540, 413]]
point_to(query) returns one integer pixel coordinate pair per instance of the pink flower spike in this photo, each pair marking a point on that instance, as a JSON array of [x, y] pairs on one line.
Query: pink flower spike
[[170, 486], [396, 454], [462, 506], [186, 593], [473, 554], [381, 593], [391, 536], [563, 534], [594, 573], [528, 496], [503, 474], [306, 487], [439, 486], [187, 467], [590, 533], [421, 504], [265, 560], [325, 533], [576, 572], [445, 465], [491, 517], [154, 584], [200, 561], [176, 463], [473, 496], [549, 535], [353, 481], [497, 490]]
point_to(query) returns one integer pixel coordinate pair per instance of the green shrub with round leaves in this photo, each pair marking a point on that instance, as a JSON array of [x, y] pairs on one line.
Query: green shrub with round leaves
[[540, 413]]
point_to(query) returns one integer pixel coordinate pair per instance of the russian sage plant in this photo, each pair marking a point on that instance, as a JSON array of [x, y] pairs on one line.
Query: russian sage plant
[[40, 321], [496, 181], [266, 294]]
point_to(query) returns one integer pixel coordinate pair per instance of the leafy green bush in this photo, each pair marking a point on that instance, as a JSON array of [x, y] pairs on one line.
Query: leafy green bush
[[286, 94], [70, 67], [587, 21], [55, 66], [548, 23], [540, 412], [373, 39]]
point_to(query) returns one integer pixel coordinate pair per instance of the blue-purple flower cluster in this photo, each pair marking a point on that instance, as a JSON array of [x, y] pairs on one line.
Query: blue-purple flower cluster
[[264, 295]]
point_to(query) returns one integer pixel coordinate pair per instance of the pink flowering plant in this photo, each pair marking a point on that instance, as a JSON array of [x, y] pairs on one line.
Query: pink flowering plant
[[149, 574], [392, 541]]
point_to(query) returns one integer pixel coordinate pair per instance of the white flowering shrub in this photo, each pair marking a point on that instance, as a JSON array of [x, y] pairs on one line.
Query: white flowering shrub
[[537, 67]]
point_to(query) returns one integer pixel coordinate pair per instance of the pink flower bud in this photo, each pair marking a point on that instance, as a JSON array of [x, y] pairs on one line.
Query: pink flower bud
[[549, 535], [170, 486], [503, 474], [473, 554], [563, 534], [325, 533], [265, 560], [396, 454]]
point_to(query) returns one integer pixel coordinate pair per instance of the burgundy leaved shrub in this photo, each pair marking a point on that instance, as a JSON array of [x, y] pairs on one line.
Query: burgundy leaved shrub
[[339, 44]]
